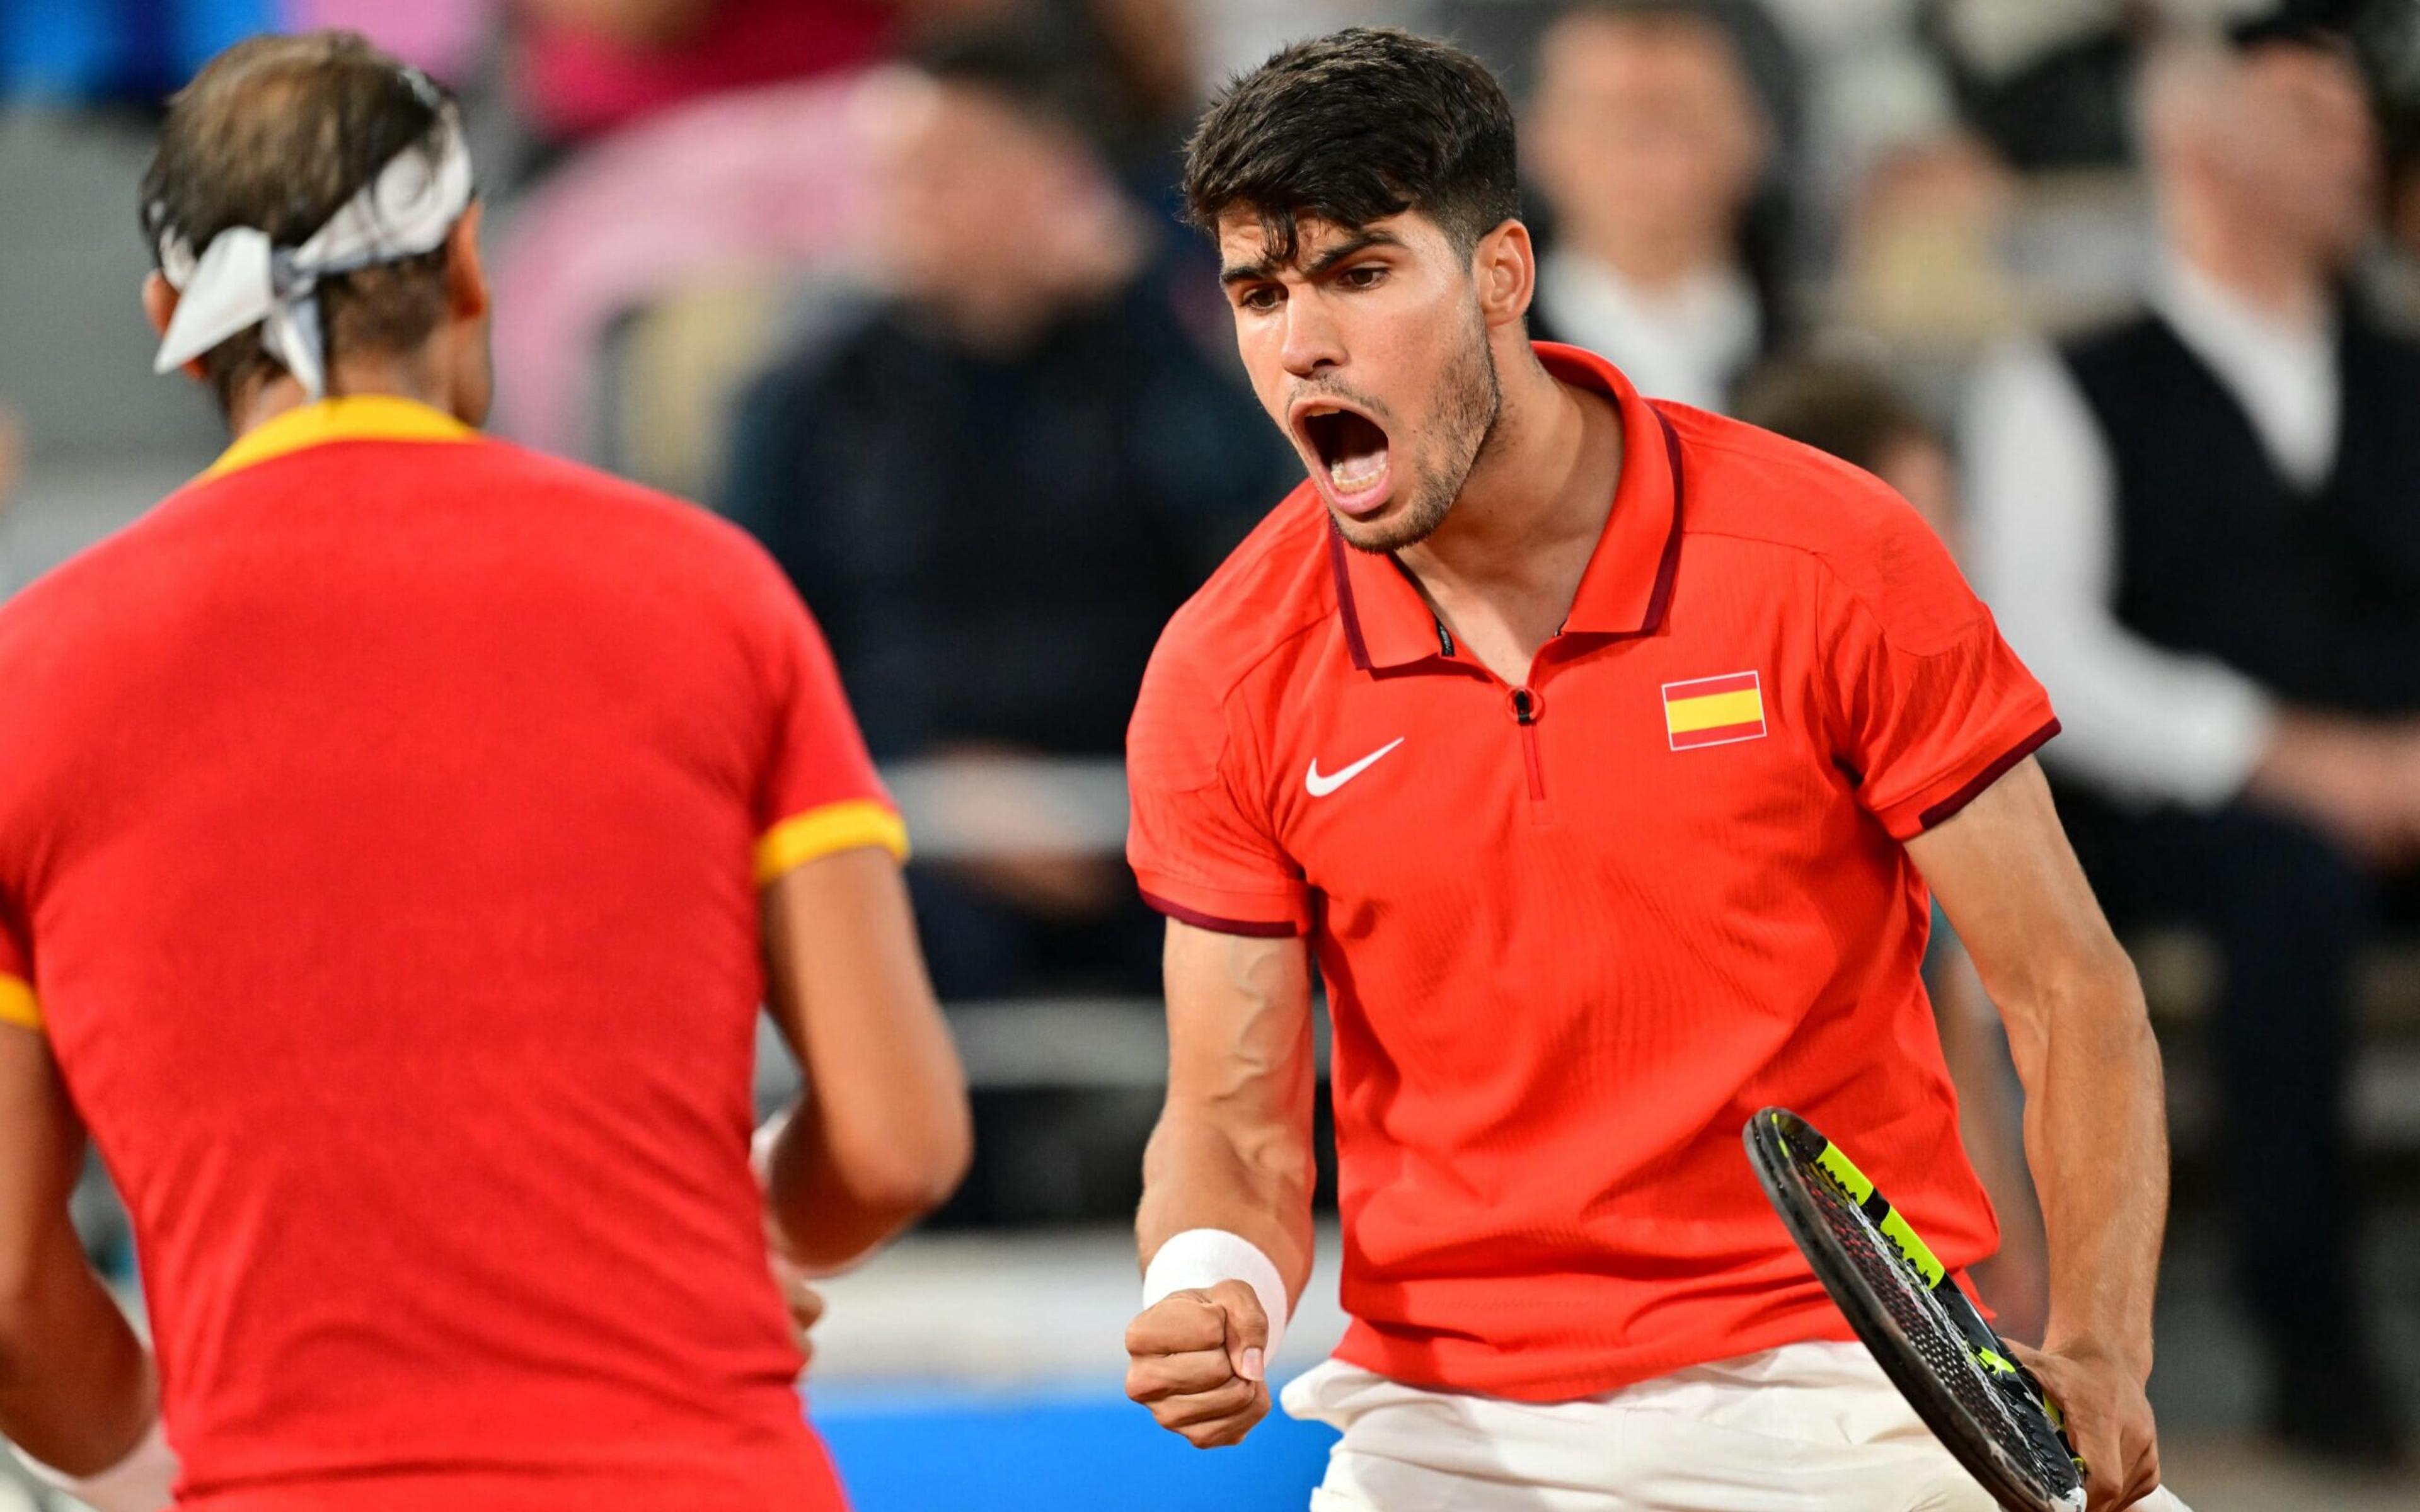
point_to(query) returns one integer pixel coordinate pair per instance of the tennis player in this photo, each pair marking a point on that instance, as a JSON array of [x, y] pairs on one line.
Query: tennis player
[[1599, 754], [397, 829]]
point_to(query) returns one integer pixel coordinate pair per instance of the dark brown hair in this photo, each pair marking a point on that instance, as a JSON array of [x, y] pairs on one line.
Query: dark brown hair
[[277, 133], [1353, 127]]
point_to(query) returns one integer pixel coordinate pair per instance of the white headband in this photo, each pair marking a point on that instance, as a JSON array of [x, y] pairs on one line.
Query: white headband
[[241, 281]]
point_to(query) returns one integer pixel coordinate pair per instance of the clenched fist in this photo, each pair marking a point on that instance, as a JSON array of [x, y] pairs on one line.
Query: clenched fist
[[1195, 1358]]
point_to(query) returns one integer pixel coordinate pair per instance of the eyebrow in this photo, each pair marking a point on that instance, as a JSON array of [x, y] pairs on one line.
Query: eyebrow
[[1267, 268]]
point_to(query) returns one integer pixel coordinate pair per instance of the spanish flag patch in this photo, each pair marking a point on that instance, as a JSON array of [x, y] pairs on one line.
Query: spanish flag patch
[[1714, 711]]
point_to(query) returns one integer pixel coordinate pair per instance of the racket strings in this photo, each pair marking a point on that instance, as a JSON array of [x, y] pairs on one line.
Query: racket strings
[[1921, 1320]]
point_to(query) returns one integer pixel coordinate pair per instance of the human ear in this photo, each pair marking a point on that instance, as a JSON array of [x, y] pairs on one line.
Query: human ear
[[1504, 266]]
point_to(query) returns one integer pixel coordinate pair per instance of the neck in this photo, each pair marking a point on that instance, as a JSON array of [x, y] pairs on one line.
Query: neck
[[2250, 262], [1529, 515], [402, 378]]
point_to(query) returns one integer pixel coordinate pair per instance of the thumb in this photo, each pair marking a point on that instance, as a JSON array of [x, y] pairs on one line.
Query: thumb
[[1247, 1329], [2043, 1368]]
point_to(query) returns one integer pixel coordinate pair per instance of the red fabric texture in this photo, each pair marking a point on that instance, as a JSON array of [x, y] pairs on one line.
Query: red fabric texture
[[1566, 961], [382, 817]]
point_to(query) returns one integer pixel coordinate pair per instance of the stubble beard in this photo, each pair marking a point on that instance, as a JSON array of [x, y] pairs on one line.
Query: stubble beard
[[1464, 424]]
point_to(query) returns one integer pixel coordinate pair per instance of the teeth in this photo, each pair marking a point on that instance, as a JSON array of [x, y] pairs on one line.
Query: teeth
[[1359, 471]]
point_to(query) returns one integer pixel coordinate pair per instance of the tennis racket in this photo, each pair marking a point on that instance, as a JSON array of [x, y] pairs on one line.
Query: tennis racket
[[1986, 1409]]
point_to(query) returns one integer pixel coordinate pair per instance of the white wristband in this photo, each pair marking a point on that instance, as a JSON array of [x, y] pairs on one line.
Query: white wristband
[[1200, 1259], [144, 1481]]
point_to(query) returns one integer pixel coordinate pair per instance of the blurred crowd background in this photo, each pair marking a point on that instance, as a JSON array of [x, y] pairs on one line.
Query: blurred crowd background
[[2116, 291]]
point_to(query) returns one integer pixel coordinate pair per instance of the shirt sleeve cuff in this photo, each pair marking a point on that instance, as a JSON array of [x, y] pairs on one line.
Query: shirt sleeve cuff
[[1954, 789], [18, 1006], [1260, 915], [854, 824]]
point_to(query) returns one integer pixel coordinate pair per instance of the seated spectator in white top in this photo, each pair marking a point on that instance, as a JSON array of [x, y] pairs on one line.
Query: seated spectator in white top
[[1647, 142], [2197, 525]]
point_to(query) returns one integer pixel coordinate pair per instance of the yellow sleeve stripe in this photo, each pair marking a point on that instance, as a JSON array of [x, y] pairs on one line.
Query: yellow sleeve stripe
[[826, 831], [17, 1005]]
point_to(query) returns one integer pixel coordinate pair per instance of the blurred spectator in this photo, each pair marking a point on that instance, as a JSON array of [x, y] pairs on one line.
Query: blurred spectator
[[116, 51], [1853, 412], [587, 67], [2197, 525], [1241, 33], [1647, 143], [445, 38], [997, 484]]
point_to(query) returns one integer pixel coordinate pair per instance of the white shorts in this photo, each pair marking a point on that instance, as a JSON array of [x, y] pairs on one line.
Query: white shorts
[[1806, 1427]]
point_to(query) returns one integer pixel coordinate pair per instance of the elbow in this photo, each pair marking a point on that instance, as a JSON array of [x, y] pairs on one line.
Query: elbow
[[2098, 1001], [908, 1176]]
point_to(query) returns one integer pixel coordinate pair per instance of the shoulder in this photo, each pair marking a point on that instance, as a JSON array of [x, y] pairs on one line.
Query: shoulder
[[125, 568], [2098, 344], [1805, 514], [1271, 590]]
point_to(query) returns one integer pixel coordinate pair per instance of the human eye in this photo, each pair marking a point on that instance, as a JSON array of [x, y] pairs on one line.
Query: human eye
[[1261, 298], [1363, 276]]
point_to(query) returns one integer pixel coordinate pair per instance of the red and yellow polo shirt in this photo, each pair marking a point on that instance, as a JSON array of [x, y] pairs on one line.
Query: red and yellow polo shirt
[[1575, 933], [382, 822]]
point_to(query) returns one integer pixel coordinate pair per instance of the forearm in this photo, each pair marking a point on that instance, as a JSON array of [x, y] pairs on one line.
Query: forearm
[[833, 1208], [77, 1390], [883, 1133], [1253, 1182], [2096, 1132]]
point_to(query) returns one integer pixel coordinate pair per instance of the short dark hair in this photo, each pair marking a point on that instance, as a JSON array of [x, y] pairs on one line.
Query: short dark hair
[[1353, 127], [277, 133]]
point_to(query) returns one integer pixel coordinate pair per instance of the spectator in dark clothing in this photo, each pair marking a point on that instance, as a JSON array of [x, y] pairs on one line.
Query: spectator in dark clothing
[[997, 484], [2197, 523]]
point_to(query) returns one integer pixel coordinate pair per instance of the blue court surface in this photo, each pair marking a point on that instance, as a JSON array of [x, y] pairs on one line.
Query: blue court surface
[[931, 1451]]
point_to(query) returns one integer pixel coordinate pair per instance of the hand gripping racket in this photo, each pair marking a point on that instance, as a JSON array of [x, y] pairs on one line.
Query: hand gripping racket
[[1986, 1409]]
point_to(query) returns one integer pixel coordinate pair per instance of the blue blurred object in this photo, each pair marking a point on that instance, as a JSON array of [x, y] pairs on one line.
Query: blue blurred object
[[88, 51], [917, 1453]]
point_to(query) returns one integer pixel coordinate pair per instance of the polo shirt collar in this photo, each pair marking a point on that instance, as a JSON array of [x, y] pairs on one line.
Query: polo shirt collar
[[362, 417], [1628, 581]]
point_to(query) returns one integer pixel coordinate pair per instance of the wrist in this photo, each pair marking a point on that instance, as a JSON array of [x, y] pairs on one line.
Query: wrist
[[1200, 1259], [144, 1481], [2113, 1346]]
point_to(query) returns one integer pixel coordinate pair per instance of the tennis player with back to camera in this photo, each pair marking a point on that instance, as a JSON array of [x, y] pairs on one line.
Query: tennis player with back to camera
[[399, 832], [1600, 754]]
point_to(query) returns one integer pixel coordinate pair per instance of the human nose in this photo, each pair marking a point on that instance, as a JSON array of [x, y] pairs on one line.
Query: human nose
[[1312, 344]]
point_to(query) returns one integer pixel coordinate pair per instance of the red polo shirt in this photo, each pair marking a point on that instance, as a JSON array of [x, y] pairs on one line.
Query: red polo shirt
[[381, 821], [1574, 934]]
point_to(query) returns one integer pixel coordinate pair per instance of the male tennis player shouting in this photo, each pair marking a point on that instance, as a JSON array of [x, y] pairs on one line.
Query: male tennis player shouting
[[398, 834], [1600, 752]]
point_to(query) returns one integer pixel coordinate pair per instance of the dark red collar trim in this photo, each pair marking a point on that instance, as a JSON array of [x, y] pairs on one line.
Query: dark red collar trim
[[1659, 599], [1669, 567], [1344, 608]]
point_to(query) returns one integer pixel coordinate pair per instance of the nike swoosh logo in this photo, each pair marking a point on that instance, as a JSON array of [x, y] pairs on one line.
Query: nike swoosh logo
[[1322, 786]]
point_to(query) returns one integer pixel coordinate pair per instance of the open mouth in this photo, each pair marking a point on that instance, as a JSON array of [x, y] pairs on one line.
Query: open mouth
[[1351, 453]]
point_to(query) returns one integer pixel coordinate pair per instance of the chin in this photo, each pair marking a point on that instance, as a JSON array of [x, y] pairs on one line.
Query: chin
[[1406, 524]]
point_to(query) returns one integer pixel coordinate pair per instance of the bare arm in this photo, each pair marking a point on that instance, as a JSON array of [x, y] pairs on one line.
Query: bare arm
[[76, 1386], [1232, 1147], [1232, 1152], [882, 1134], [2096, 1122]]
